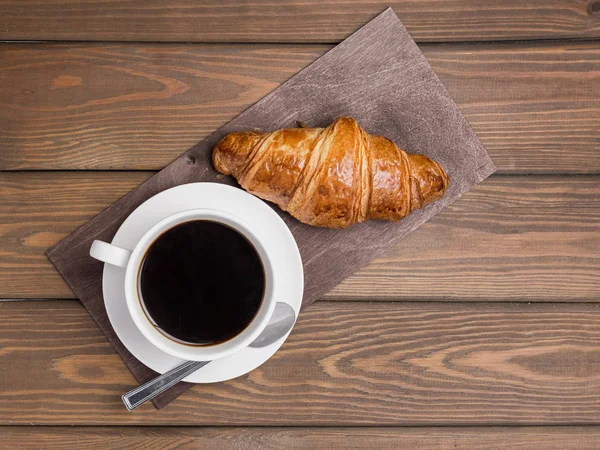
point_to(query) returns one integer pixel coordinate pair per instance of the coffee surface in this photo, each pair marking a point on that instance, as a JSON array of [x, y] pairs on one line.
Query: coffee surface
[[202, 282]]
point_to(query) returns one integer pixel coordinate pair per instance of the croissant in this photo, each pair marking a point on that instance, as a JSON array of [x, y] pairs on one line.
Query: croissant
[[331, 177]]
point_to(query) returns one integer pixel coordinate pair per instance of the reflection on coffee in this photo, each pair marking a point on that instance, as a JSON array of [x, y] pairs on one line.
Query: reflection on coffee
[[202, 282]]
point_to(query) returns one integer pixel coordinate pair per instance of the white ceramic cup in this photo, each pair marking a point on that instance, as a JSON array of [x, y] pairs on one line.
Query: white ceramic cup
[[131, 261]]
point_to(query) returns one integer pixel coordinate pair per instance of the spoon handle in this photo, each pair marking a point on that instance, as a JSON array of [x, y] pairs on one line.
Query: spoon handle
[[158, 385]]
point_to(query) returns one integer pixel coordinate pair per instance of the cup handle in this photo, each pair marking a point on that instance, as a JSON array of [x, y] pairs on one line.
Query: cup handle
[[110, 254]]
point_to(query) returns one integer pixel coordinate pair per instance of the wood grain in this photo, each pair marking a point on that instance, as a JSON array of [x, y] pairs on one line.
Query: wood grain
[[335, 438], [344, 364], [139, 106], [512, 238], [40, 209], [292, 20]]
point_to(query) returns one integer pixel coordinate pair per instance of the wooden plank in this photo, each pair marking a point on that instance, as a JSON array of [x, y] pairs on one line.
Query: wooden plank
[[511, 238], [344, 364], [533, 106], [517, 239], [335, 438], [293, 20]]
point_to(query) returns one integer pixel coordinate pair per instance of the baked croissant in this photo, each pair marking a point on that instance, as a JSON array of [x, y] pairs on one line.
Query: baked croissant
[[331, 177]]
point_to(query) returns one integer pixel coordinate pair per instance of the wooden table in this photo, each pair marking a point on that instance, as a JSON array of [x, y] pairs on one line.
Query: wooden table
[[479, 330]]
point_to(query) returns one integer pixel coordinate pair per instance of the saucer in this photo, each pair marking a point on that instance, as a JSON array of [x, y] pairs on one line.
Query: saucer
[[276, 235]]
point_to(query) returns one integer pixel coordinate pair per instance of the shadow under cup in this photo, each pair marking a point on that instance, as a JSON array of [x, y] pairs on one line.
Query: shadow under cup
[[201, 283]]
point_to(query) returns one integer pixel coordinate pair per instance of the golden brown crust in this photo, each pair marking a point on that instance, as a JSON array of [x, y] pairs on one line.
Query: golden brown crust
[[331, 177]]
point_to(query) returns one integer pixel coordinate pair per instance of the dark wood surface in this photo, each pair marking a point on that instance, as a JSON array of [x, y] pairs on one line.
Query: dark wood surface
[[530, 104], [293, 20], [384, 356], [335, 438], [510, 239], [347, 363]]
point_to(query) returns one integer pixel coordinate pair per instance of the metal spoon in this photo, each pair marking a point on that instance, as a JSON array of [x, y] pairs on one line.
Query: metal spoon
[[281, 322]]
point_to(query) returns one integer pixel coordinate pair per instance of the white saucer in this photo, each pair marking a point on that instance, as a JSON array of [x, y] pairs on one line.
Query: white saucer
[[287, 266]]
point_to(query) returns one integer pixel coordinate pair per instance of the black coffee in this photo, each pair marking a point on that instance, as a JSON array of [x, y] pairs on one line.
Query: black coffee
[[202, 282]]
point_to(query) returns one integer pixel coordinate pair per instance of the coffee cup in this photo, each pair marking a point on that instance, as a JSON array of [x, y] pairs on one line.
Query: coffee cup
[[144, 314]]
